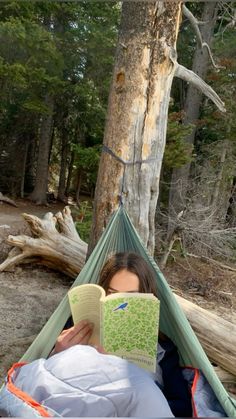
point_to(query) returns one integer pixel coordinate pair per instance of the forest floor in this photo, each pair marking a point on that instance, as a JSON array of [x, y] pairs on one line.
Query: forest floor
[[29, 294]]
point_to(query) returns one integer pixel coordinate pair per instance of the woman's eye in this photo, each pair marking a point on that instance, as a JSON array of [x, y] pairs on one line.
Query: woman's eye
[[109, 291]]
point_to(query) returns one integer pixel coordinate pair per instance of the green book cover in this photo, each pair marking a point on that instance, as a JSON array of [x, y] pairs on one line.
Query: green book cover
[[125, 324]]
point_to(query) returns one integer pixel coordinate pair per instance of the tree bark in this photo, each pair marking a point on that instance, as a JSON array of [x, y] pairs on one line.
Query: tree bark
[[228, 380], [70, 173], [222, 193], [137, 116], [78, 186], [24, 162], [180, 176], [39, 194], [62, 179], [30, 165], [219, 177]]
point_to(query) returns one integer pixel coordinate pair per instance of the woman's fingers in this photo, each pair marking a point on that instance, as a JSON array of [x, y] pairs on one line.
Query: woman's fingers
[[100, 349], [82, 336], [78, 334]]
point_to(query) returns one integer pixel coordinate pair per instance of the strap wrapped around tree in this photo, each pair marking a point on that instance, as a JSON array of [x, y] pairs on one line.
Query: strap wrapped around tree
[[120, 236]]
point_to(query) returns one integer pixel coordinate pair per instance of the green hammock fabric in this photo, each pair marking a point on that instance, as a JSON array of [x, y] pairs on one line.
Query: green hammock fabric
[[119, 236]]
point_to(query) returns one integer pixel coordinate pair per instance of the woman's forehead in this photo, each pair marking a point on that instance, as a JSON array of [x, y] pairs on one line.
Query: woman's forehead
[[124, 281]]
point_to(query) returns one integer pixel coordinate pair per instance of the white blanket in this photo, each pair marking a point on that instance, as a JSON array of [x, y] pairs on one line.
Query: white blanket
[[83, 382]]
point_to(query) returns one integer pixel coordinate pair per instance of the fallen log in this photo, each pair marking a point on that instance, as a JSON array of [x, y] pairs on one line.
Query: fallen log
[[228, 380], [56, 244], [7, 200], [217, 336], [225, 376]]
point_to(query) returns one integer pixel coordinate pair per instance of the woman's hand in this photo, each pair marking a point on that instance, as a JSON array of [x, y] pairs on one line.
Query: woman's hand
[[100, 349], [78, 334]]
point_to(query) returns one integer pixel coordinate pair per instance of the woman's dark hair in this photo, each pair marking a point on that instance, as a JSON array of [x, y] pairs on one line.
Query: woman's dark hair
[[133, 263]]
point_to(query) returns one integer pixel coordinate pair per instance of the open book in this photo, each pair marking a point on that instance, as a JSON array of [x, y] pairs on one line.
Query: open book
[[125, 324]]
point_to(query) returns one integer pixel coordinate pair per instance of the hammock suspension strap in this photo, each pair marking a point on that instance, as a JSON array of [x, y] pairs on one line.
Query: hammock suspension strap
[[127, 163]]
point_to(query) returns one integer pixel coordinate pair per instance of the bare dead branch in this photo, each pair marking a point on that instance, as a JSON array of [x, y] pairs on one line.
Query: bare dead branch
[[217, 66], [166, 254], [9, 201], [213, 261], [190, 77], [195, 24]]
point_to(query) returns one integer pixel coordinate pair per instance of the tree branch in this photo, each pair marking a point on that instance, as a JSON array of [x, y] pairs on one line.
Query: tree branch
[[190, 77], [195, 24], [217, 66], [213, 261], [7, 200]]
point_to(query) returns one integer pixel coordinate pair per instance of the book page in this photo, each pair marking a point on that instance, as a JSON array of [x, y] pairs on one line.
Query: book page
[[115, 295], [85, 305], [129, 328]]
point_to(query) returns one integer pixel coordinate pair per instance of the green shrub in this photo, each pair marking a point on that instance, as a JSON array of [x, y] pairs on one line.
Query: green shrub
[[83, 219]]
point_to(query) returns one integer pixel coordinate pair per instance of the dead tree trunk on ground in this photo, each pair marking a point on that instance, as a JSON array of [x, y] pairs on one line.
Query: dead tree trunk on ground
[[217, 336], [61, 249]]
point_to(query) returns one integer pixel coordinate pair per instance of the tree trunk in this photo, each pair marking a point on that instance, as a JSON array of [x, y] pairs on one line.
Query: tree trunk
[[70, 173], [78, 186], [137, 116], [219, 177], [39, 194], [25, 154], [30, 165], [223, 191], [180, 176], [62, 179]]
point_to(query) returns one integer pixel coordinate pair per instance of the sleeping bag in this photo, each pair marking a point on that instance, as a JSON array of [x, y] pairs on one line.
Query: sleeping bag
[[81, 382]]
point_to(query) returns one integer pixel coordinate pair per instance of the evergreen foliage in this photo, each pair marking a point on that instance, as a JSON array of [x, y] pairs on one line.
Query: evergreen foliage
[[65, 49]]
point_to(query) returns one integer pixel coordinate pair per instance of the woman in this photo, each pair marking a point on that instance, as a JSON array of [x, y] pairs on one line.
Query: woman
[[129, 272], [82, 381]]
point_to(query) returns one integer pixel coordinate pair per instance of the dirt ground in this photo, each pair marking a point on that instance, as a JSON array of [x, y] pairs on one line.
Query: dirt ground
[[29, 293], [205, 284]]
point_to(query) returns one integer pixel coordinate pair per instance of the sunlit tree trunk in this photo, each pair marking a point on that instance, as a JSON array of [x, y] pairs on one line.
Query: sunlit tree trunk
[[137, 115]]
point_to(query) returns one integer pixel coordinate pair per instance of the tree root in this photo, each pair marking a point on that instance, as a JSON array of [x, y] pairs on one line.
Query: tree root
[[54, 243]]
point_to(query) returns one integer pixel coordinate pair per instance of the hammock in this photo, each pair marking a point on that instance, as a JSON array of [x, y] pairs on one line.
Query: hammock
[[121, 236]]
